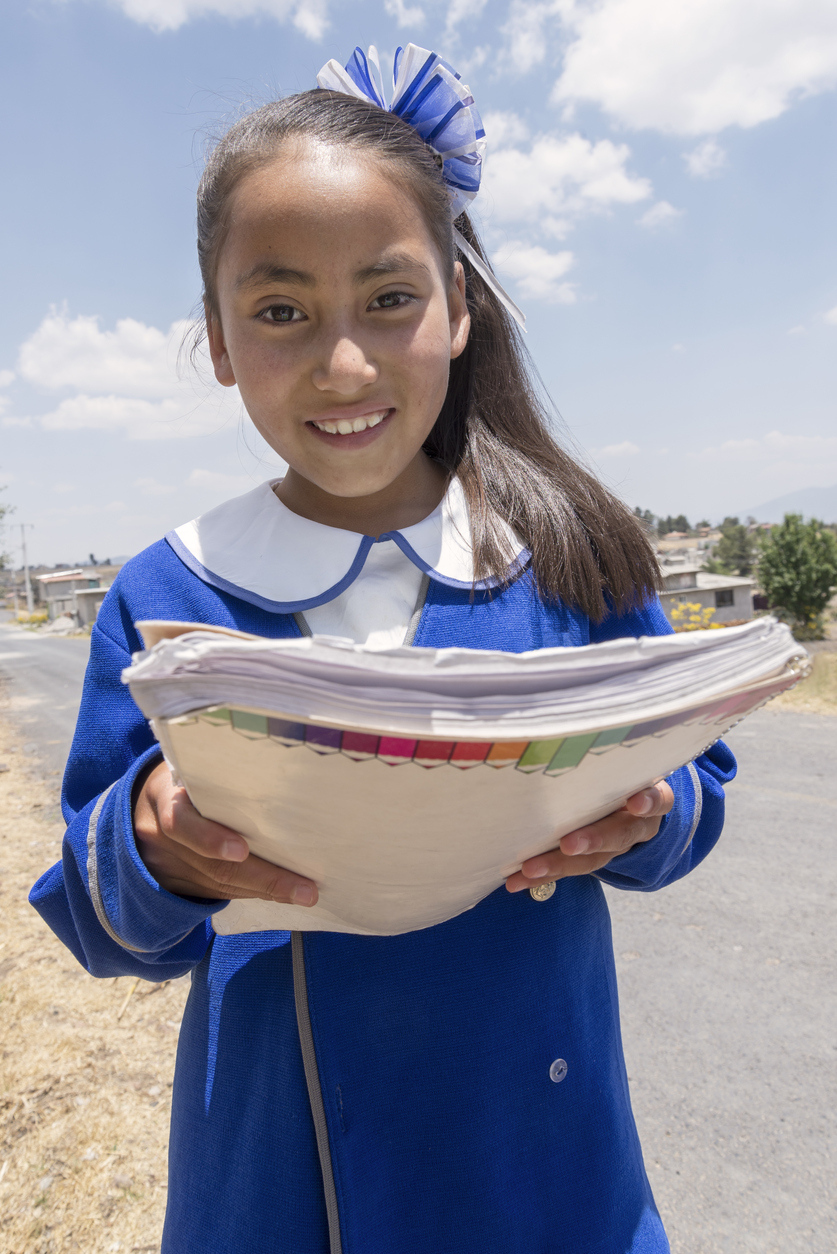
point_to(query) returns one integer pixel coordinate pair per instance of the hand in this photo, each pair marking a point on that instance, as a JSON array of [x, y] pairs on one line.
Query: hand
[[588, 848], [194, 857]]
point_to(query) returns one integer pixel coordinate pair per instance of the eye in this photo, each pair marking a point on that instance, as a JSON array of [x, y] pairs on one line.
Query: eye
[[392, 300], [281, 313]]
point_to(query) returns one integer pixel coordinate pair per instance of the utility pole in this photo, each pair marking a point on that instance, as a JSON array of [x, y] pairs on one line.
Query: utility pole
[[30, 602]]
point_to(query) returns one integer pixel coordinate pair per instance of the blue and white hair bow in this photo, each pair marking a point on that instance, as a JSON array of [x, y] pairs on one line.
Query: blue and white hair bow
[[430, 96]]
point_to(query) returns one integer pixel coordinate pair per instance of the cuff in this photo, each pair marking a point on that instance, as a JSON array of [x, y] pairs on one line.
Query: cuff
[[131, 906], [650, 864]]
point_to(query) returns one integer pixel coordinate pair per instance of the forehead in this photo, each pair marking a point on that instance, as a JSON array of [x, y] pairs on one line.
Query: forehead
[[326, 206]]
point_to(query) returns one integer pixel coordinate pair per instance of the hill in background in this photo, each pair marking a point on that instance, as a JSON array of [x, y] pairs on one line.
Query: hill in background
[[812, 502]]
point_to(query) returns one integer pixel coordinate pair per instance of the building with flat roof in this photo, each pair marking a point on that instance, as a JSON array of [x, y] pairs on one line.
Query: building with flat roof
[[77, 593], [730, 596]]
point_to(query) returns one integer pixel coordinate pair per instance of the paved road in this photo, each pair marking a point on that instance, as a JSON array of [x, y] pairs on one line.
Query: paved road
[[728, 1007], [726, 982], [40, 688]]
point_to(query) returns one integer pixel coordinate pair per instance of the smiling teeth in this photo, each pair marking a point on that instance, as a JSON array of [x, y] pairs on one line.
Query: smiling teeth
[[351, 426]]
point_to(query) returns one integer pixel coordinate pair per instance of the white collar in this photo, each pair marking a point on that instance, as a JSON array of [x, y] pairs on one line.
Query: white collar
[[257, 549]]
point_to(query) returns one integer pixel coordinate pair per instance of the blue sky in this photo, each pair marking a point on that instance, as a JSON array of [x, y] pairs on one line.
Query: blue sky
[[660, 196]]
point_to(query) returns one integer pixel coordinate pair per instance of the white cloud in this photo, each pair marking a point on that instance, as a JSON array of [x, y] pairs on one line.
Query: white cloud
[[216, 481], [539, 274], [831, 316], [6, 377], [125, 380], [625, 449], [151, 487], [688, 67], [567, 175], [524, 34], [133, 360], [503, 129], [171, 419], [403, 14], [660, 214], [462, 11], [706, 160], [308, 16], [818, 450]]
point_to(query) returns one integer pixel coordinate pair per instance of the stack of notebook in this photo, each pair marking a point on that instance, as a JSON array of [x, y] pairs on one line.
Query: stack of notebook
[[410, 782]]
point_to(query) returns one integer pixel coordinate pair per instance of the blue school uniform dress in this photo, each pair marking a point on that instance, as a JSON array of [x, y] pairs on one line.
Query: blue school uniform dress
[[458, 1089]]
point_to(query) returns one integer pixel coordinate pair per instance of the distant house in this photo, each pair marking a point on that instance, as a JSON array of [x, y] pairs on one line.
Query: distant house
[[730, 596], [76, 593]]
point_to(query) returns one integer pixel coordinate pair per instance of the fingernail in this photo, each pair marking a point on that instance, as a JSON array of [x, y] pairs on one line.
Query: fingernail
[[646, 805], [536, 870], [582, 844], [233, 851], [303, 895]]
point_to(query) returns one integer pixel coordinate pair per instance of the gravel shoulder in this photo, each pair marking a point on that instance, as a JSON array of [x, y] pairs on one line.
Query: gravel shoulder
[[84, 1093]]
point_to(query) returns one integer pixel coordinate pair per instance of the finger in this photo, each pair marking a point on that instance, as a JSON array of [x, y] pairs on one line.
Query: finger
[[656, 800], [616, 833], [262, 879], [182, 823], [560, 867], [252, 878]]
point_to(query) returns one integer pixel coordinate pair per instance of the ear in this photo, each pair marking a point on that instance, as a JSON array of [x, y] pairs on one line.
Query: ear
[[460, 319], [218, 349]]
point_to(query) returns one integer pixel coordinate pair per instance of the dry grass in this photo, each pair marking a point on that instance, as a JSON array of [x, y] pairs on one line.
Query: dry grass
[[84, 1095], [818, 693]]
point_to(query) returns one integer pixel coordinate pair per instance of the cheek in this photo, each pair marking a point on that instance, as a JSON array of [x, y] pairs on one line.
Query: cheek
[[425, 359]]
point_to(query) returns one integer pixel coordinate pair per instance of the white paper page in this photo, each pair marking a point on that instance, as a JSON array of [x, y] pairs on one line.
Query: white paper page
[[396, 848]]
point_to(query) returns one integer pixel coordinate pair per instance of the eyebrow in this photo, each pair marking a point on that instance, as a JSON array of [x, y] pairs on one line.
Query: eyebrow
[[270, 272]]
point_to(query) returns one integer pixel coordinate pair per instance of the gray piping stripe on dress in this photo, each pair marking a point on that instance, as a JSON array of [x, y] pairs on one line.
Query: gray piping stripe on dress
[[315, 1095], [415, 617], [303, 1018], [696, 784], [93, 874]]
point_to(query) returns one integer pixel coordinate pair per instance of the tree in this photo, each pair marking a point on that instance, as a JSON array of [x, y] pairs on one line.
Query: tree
[[680, 523], [798, 572], [735, 552], [647, 519]]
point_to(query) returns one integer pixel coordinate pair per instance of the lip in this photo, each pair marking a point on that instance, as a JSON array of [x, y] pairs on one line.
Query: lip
[[357, 439]]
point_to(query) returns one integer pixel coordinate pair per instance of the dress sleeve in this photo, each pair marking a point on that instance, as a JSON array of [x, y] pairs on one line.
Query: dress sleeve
[[692, 828], [100, 900]]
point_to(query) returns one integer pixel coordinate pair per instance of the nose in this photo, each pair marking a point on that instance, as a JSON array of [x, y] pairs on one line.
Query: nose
[[344, 366]]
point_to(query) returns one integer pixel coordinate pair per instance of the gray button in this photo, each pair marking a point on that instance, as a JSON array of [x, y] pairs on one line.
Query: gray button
[[558, 1070], [542, 892]]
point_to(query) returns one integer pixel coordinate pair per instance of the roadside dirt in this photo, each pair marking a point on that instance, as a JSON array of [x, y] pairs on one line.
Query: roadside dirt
[[85, 1065], [818, 693]]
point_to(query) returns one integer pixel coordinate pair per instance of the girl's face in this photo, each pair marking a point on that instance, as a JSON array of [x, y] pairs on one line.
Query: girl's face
[[336, 320]]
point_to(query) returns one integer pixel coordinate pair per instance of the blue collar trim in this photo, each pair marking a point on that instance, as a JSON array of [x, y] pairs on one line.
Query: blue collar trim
[[517, 567]]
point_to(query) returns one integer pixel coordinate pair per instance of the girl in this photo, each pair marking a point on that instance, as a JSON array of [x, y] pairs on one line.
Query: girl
[[460, 1088]]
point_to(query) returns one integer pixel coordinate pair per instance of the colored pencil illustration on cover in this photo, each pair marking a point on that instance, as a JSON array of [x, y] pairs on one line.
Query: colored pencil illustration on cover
[[550, 757]]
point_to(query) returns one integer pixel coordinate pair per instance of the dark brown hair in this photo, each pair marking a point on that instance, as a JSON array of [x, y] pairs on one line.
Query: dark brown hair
[[493, 432]]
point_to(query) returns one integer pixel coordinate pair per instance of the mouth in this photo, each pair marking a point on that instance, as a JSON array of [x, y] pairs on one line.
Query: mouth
[[351, 430]]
